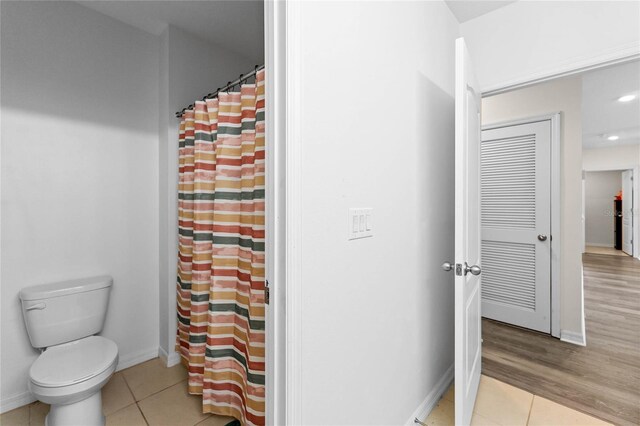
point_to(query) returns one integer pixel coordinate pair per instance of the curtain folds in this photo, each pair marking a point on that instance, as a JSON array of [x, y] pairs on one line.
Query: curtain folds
[[220, 283]]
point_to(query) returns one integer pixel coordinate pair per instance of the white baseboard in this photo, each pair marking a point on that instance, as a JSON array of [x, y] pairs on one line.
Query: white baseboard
[[126, 361], [16, 401], [138, 357], [169, 359], [600, 245], [439, 389], [573, 337]]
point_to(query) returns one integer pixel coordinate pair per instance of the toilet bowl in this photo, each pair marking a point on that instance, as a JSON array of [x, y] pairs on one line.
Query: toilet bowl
[[70, 377], [70, 373]]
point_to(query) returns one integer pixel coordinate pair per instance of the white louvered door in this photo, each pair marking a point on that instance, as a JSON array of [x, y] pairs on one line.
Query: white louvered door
[[516, 224]]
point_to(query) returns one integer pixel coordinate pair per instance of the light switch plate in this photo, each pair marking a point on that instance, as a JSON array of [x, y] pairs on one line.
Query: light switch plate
[[360, 223]]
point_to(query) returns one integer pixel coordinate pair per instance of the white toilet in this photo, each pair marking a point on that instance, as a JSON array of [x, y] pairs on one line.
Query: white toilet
[[61, 319]]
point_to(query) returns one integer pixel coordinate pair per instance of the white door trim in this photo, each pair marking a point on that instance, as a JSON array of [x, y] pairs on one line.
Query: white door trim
[[283, 213], [617, 55], [631, 172], [636, 211], [556, 239]]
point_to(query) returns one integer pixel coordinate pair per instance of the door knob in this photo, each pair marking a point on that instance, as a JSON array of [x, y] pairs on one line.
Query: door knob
[[542, 237], [475, 269], [447, 266]]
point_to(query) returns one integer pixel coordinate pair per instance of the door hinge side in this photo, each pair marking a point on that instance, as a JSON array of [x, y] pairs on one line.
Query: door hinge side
[[267, 292]]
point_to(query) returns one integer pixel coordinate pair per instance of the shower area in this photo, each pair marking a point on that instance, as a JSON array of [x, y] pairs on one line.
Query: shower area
[[221, 248]]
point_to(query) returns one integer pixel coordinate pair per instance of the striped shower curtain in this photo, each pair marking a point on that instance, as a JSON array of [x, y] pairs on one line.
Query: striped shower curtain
[[220, 284]]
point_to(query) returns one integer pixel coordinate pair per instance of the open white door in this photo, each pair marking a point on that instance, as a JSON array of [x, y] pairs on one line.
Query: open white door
[[468, 342], [627, 212]]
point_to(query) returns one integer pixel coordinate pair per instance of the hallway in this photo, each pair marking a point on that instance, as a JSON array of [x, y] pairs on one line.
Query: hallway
[[601, 379]]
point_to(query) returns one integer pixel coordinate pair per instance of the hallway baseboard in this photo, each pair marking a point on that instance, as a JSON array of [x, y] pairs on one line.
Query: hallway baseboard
[[573, 338], [439, 389]]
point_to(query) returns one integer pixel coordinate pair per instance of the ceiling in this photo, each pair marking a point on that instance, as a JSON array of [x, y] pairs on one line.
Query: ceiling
[[465, 10], [602, 114], [234, 25]]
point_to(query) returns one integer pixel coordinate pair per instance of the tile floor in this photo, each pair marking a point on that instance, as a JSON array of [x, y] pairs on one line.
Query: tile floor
[[145, 394], [151, 394], [500, 404]]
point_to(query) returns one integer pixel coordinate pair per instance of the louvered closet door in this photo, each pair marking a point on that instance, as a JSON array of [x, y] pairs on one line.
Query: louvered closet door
[[516, 210]]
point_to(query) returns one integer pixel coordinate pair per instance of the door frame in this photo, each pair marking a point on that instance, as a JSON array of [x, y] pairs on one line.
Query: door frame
[[556, 178], [625, 52], [635, 194], [283, 213]]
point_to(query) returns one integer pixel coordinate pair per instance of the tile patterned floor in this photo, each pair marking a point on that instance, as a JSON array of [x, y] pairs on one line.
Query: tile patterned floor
[[145, 394], [500, 404], [151, 394]]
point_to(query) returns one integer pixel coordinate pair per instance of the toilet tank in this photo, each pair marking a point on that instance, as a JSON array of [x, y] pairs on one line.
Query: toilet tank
[[64, 311]]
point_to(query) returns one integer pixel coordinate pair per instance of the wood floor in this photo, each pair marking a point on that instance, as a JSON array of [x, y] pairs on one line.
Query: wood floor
[[604, 250], [601, 379]]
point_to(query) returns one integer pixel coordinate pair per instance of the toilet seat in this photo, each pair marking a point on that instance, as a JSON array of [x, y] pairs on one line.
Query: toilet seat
[[74, 362]]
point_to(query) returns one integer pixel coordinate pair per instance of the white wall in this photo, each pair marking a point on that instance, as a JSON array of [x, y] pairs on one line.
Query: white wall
[[618, 158], [190, 68], [561, 95], [613, 158], [542, 38], [376, 131], [600, 191], [79, 172]]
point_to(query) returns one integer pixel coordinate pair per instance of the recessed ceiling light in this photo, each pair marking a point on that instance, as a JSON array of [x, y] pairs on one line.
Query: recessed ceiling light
[[626, 98], [613, 138]]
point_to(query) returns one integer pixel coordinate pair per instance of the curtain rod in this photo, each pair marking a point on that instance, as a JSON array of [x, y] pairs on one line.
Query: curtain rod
[[239, 80]]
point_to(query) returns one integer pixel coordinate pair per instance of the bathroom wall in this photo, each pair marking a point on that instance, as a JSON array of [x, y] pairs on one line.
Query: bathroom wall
[[190, 68], [79, 172], [377, 130]]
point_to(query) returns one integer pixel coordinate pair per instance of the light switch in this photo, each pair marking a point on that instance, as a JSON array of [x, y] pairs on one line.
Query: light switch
[[360, 224]]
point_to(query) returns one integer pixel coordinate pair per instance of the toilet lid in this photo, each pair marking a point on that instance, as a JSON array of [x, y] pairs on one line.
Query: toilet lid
[[73, 362]]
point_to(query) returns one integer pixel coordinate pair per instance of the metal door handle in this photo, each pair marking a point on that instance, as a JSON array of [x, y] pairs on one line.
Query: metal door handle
[[447, 266], [475, 269], [542, 237]]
